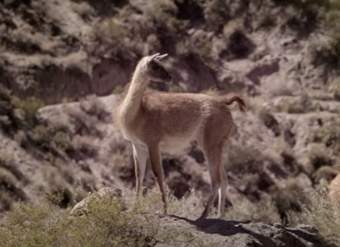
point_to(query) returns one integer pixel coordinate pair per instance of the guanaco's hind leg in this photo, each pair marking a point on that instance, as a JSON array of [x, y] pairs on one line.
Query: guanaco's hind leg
[[214, 155], [157, 169], [212, 143], [221, 193]]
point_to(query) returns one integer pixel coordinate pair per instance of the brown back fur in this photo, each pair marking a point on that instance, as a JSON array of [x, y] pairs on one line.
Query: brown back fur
[[178, 114]]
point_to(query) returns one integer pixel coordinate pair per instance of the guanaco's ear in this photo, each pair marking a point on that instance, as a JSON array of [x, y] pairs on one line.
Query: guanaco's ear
[[160, 57], [152, 57]]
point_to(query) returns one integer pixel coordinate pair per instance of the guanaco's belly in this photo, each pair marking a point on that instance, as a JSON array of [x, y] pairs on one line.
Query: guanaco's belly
[[181, 142]]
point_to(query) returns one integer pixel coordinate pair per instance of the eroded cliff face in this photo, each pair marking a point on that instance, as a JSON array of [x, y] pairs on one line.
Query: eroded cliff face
[[273, 53]]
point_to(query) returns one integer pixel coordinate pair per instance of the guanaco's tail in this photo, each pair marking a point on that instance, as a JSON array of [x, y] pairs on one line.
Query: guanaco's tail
[[240, 102]]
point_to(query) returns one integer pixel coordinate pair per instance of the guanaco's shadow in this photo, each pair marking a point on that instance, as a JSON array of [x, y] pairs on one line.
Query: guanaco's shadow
[[215, 226], [230, 227]]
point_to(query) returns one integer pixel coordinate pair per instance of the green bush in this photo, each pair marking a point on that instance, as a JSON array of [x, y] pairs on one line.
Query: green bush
[[29, 106]]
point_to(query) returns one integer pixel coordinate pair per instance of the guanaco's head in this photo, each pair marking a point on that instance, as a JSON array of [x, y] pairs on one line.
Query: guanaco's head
[[152, 69]]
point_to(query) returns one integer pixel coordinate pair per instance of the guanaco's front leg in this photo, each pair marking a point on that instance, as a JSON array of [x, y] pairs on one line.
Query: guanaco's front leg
[[140, 156]]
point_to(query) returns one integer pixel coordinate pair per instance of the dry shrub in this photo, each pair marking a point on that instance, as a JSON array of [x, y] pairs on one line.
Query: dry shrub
[[10, 190], [318, 156], [190, 205], [322, 214], [294, 105], [289, 196], [83, 148], [261, 211], [110, 31], [216, 13], [334, 88], [329, 54], [163, 13]]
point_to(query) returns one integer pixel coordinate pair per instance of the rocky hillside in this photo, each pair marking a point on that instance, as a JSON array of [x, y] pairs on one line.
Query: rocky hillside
[[67, 49], [60, 62], [105, 214]]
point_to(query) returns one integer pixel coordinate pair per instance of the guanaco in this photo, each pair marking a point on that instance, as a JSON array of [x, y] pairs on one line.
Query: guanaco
[[153, 121]]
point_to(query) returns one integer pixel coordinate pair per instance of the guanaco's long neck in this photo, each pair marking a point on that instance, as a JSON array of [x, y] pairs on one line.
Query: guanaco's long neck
[[133, 99]]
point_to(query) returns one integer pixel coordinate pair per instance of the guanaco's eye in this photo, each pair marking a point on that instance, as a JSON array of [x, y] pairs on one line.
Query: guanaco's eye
[[154, 66]]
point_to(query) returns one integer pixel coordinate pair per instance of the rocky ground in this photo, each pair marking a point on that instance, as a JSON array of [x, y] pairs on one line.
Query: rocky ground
[[235, 233], [60, 62]]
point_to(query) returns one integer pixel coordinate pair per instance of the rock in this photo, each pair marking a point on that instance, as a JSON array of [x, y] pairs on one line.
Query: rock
[[5, 121], [107, 192], [327, 173], [19, 115], [334, 191]]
